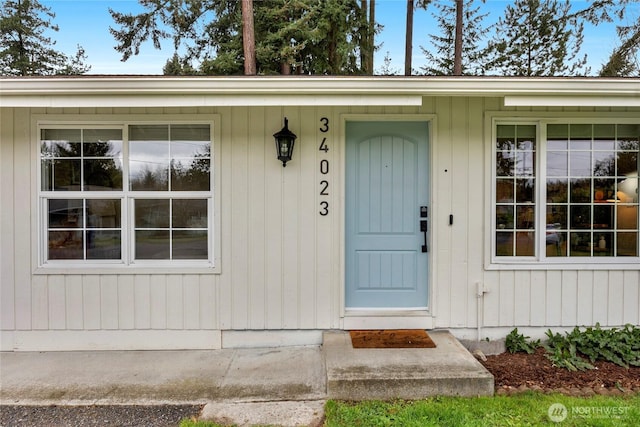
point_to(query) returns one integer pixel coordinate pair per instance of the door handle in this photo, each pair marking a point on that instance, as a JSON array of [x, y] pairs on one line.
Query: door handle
[[424, 227]]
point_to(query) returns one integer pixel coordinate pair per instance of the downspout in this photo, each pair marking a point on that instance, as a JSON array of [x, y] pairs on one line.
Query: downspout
[[480, 291]]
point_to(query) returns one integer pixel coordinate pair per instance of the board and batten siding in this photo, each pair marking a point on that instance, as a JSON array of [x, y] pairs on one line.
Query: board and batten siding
[[280, 260]]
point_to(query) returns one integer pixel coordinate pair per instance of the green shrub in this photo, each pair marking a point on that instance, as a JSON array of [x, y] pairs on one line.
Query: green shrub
[[516, 342], [577, 350]]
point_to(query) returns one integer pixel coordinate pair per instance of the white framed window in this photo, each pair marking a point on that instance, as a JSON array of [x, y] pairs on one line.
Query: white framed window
[[565, 192], [128, 194]]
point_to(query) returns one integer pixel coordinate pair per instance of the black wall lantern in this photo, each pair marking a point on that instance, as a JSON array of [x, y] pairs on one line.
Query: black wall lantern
[[284, 143]]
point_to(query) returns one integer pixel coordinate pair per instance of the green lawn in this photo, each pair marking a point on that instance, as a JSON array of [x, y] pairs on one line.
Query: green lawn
[[528, 409]]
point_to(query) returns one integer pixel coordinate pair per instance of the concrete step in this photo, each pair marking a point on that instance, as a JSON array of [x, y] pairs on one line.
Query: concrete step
[[387, 374]]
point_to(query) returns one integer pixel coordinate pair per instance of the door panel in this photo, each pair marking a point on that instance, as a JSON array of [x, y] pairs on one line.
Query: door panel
[[386, 185]]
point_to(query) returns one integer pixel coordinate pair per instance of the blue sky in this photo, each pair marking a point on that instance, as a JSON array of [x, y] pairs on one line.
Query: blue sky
[[87, 22]]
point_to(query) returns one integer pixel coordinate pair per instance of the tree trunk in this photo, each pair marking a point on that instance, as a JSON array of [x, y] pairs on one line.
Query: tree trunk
[[248, 38], [372, 33], [364, 39], [457, 54], [408, 45]]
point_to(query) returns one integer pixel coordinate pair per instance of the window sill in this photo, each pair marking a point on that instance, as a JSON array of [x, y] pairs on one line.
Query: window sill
[[602, 264], [122, 269]]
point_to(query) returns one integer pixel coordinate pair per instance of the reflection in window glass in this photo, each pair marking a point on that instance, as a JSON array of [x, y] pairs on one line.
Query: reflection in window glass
[[84, 229], [603, 183], [81, 159], [515, 190], [87, 200], [171, 229], [170, 158]]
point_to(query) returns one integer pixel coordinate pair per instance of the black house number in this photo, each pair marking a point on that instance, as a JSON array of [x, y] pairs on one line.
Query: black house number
[[324, 168]]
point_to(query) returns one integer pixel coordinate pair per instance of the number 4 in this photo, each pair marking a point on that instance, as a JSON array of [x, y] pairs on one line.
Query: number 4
[[323, 145]]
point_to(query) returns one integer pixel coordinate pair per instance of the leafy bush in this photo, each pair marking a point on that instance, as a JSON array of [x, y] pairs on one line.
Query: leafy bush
[[516, 342], [620, 346]]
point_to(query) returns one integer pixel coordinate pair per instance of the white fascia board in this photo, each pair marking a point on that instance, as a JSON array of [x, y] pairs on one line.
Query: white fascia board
[[575, 101], [61, 101], [298, 90]]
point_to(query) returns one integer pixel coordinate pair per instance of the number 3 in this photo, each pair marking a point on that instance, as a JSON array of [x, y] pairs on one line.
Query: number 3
[[325, 123], [325, 208]]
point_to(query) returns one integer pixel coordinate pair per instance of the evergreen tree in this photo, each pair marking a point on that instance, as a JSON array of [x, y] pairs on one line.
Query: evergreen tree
[[441, 60], [25, 50], [291, 36], [625, 59], [537, 38]]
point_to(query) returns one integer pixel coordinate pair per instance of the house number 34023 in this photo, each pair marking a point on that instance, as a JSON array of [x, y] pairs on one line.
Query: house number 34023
[[324, 167]]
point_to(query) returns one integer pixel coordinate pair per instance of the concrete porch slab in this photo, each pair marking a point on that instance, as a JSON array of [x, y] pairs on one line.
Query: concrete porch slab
[[386, 374]]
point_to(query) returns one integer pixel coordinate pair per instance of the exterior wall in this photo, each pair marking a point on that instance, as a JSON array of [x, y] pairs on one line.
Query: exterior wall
[[281, 261]]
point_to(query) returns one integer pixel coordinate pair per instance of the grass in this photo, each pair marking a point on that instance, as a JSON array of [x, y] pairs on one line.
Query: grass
[[527, 409]]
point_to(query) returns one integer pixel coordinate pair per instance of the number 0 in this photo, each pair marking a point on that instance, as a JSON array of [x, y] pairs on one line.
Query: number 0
[[324, 166]]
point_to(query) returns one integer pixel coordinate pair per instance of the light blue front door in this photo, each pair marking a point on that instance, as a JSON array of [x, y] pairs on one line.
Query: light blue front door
[[387, 189]]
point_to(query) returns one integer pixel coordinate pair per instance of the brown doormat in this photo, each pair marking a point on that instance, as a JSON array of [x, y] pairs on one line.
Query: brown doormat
[[391, 338]]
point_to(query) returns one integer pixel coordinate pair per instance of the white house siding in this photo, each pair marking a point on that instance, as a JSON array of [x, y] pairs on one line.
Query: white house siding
[[280, 261]]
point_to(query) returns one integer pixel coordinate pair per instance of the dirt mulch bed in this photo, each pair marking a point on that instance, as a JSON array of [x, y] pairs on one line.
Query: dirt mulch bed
[[520, 372]]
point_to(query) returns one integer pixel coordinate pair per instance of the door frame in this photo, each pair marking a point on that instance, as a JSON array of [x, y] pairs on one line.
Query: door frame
[[389, 318]]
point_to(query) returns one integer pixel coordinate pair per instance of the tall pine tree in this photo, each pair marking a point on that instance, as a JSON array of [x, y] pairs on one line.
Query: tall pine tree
[[24, 48], [537, 38], [440, 60], [291, 36]]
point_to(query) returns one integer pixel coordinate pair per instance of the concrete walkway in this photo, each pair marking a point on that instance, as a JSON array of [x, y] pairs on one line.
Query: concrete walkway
[[224, 379]]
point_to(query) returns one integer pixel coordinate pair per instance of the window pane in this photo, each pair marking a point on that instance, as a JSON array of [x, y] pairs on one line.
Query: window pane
[[151, 213], [604, 137], [580, 191], [504, 217], [65, 245], [580, 244], [66, 175], [603, 216], [580, 217], [103, 213], [152, 244], [61, 142], [102, 175], [557, 217], [627, 217], [149, 166], [580, 163], [190, 133], [103, 244], [556, 243], [526, 217], [504, 243], [504, 190], [557, 190], [525, 190], [102, 135], [557, 163], [103, 149], [603, 244], [190, 244], [604, 163], [66, 213], [627, 244], [580, 137], [604, 190], [525, 163], [190, 175], [149, 133], [627, 164], [525, 244], [505, 163], [189, 213]]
